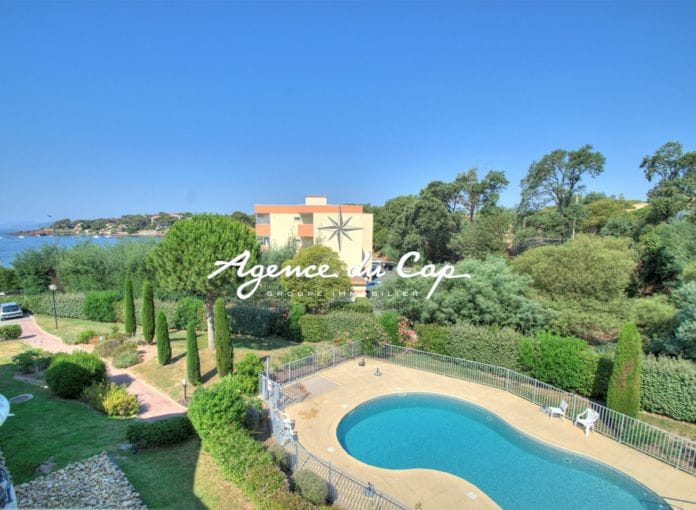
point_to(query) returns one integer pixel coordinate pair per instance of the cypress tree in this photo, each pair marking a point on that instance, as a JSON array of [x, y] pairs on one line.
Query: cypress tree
[[164, 348], [193, 363], [623, 394], [223, 339], [129, 308], [148, 312]]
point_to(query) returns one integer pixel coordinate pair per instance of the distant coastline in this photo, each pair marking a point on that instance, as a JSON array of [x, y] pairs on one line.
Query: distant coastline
[[48, 232]]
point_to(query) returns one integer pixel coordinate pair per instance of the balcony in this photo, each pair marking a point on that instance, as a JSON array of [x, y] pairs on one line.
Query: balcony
[[305, 230]]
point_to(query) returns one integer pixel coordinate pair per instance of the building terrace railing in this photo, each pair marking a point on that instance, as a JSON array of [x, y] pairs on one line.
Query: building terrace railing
[[670, 448]]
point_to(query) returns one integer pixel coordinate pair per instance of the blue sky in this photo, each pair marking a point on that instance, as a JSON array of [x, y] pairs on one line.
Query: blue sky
[[112, 108]]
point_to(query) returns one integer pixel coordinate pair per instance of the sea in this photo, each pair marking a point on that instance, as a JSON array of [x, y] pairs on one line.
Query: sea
[[11, 245]]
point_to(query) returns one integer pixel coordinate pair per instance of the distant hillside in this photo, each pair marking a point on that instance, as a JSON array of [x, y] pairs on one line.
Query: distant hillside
[[128, 224]]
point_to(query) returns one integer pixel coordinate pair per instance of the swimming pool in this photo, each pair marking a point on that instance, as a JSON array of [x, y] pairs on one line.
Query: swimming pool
[[422, 430]]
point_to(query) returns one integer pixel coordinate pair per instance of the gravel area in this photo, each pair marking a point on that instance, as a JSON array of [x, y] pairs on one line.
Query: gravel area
[[92, 483]]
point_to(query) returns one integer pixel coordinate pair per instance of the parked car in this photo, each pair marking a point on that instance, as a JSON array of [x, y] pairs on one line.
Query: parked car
[[10, 311]]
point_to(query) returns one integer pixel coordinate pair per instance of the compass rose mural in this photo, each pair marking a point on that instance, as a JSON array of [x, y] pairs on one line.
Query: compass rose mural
[[340, 228]]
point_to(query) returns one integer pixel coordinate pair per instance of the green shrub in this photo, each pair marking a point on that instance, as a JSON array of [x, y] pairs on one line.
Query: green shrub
[[279, 322], [654, 317], [148, 312], [105, 348], [248, 465], [247, 372], [224, 353], [129, 308], [485, 344], [111, 399], [167, 432], [432, 338], [33, 360], [668, 387], [390, 323], [99, 305], [294, 329], [565, 362], [605, 364], [311, 486], [10, 332], [69, 374], [219, 406], [251, 320], [314, 328], [361, 305], [126, 355], [164, 347], [356, 326], [623, 394], [84, 336], [297, 352], [189, 309], [193, 362], [280, 456], [67, 305]]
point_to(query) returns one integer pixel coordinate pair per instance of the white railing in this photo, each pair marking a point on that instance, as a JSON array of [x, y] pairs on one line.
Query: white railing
[[344, 490], [675, 450]]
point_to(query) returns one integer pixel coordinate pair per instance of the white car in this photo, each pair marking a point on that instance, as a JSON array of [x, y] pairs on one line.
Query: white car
[[10, 311]]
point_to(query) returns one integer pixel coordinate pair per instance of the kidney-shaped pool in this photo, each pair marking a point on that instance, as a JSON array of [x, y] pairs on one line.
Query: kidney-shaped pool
[[422, 430]]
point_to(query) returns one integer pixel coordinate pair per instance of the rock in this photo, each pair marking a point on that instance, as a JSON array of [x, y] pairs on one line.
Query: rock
[[46, 467], [96, 482]]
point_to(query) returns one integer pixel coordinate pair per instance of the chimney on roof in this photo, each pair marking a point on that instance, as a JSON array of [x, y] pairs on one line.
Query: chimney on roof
[[315, 200]]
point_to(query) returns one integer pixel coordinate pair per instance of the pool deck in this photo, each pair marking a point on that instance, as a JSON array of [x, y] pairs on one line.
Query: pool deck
[[334, 392]]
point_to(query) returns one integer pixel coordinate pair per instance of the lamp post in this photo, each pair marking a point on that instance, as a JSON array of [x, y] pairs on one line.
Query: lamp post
[[53, 289], [184, 384]]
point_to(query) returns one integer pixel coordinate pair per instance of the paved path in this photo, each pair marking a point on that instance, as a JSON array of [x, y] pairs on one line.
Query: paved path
[[154, 405]]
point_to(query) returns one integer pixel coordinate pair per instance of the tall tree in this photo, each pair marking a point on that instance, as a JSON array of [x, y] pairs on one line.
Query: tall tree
[[475, 195], [467, 193], [164, 348], [129, 308], [675, 173], [623, 394], [224, 351], [193, 362], [556, 178], [187, 253], [148, 312]]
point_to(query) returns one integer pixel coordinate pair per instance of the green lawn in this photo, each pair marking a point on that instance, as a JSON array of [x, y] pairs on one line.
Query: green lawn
[[68, 329], [68, 431], [681, 428], [168, 378]]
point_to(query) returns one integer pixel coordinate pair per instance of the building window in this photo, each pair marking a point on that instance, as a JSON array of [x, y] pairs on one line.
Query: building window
[[264, 241]]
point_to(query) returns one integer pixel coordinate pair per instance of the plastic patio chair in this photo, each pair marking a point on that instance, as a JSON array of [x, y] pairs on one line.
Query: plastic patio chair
[[587, 419], [558, 411]]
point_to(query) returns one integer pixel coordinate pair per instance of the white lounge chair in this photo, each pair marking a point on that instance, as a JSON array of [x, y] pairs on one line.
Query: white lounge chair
[[558, 411], [587, 419]]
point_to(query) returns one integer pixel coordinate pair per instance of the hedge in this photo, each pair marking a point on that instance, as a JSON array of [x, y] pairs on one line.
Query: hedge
[[99, 305], [485, 344], [311, 486], [67, 305], [216, 414], [251, 320], [668, 387], [165, 432], [432, 338], [343, 326], [623, 394], [10, 332], [565, 362]]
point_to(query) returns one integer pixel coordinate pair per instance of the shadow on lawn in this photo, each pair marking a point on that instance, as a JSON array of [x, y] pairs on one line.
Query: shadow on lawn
[[69, 431]]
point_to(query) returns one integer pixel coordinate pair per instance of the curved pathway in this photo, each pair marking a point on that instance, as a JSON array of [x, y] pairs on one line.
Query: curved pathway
[[154, 405]]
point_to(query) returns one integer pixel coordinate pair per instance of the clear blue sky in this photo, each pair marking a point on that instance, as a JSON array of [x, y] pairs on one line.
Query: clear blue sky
[[111, 108]]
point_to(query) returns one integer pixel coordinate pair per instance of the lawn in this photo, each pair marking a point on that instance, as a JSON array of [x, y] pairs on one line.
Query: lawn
[[67, 431], [681, 428], [168, 378], [68, 329]]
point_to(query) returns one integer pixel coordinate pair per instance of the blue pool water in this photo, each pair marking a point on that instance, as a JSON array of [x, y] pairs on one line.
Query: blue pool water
[[420, 430]]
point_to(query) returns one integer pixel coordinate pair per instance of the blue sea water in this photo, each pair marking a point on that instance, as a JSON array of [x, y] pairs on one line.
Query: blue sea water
[[420, 430], [11, 245]]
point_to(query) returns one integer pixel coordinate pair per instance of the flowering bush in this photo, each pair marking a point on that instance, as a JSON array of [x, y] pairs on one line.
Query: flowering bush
[[407, 335]]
